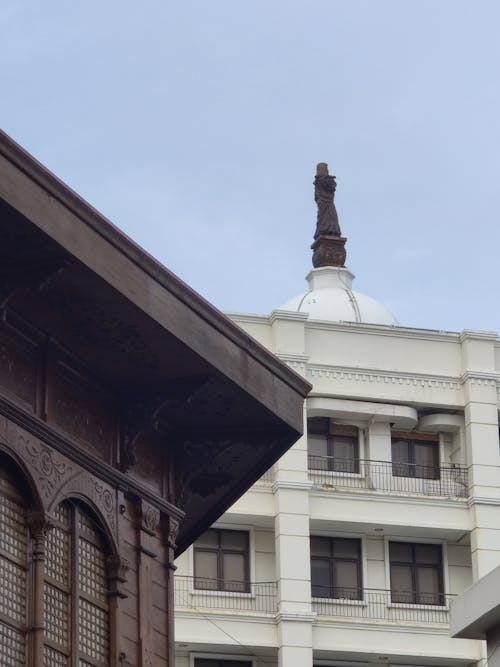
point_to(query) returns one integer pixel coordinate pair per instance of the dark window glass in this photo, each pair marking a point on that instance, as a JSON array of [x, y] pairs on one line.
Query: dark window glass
[[413, 457], [336, 568], [206, 662], [332, 446], [221, 561], [416, 573]]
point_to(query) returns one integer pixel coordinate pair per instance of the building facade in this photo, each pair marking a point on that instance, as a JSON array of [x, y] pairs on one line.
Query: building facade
[[349, 550]]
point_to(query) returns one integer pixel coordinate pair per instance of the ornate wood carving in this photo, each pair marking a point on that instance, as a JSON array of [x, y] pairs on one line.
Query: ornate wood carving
[[150, 518], [117, 574], [98, 493], [50, 468]]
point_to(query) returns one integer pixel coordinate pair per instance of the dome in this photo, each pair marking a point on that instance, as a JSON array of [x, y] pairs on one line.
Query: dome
[[330, 298]]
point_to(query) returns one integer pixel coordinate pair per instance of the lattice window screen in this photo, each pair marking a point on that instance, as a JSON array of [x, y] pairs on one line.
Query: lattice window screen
[[13, 573], [76, 601]]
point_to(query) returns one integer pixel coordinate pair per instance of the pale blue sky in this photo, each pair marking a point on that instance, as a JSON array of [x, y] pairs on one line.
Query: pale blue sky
[[195, 126]]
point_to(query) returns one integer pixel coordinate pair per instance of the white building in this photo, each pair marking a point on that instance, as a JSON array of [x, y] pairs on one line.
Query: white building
[[348, 552]]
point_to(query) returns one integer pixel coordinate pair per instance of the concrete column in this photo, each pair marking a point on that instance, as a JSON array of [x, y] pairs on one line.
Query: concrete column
[[482, 448], [293, 568]]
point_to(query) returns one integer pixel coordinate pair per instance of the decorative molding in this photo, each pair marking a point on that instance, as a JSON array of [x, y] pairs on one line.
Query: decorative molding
[[94, 490], [390, 330], [117, 574], [482, 500], [51, 468], [295, 484], [44, 434], [474, 334], [173, 531], [301, 617], [480, 378], [292, 315], [150, 518], [347, 373]]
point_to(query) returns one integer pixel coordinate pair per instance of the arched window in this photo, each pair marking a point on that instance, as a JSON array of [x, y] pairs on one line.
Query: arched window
[[76, 607], [13, 571]]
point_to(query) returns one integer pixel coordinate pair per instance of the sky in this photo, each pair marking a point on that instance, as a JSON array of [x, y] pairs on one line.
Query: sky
[[196, 126]]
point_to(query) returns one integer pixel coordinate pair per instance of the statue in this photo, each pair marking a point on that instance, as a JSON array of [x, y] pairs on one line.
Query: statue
[[329, 244], [324, 192]]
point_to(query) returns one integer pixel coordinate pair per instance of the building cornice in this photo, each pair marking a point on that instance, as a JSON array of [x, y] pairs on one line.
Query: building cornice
[[349, 373]]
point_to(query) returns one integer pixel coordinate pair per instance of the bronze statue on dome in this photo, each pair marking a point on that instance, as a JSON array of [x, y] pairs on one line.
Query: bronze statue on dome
[[329, 244], [324, 192]]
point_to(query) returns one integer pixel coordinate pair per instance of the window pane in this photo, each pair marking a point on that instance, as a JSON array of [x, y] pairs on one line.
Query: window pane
[[428, 553], [425, 456], [401, 584], [400, 458], [234, 572], [318, 449], [320, 578], [210, 539], [401, 551], [205, 569], [318, 425], [345, 452], [347, 584], [428, 585], [343, 548], [234, 539], [320, 546]]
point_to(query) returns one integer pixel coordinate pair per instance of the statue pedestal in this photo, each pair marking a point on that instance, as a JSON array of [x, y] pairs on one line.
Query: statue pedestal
[[329, 251]]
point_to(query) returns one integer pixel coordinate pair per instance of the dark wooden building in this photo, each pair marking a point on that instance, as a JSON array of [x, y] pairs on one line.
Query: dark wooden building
[[132, 414]]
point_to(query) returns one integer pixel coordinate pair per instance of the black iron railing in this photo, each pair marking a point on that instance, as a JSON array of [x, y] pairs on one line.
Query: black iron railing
[[330, 472], [199, 594], [382, 605]]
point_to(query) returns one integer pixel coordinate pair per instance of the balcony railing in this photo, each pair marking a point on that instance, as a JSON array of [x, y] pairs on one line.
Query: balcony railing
[[329, 472], [381, 605], [198, 594]]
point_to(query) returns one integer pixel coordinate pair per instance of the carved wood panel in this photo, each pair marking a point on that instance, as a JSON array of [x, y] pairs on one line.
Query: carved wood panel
[[83, 410]]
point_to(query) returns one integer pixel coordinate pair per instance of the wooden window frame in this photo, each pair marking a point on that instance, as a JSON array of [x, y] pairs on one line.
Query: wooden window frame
[[220, 552], [415, 596], [332, 432], [335, 590], [409, 468]]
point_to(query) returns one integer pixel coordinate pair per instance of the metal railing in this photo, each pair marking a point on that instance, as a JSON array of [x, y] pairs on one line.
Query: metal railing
[[383, 605], [330, 472], [197, 593]]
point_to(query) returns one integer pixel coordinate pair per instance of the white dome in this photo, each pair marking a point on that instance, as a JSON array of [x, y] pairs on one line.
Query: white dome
[[331, 298]]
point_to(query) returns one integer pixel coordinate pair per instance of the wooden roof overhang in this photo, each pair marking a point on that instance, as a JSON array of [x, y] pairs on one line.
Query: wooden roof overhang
[[227, 408]]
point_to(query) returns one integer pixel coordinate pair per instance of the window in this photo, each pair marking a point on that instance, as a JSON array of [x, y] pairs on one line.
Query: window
[[416, 573], [75, 588], [336, 568], [415, 455], [13, 572], [221, 561], [209, 662], [332, 446]]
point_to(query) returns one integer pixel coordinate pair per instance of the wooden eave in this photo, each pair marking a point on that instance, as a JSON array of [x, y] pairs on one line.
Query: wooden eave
[[154, 298]]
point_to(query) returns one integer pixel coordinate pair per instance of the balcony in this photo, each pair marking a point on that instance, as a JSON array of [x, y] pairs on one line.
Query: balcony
[[372, 604], [329, 473], [218, 595]]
